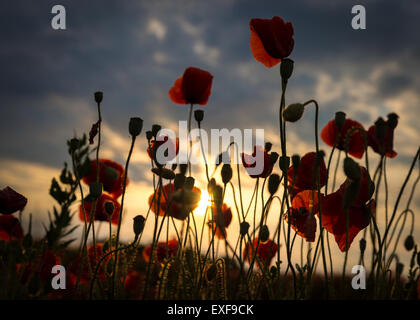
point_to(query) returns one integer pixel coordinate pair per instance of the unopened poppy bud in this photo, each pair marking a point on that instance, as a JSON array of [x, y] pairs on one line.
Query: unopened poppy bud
[[393, 120], [135, 126], [244, 228], [295, 162], [226, 173], [264, 233], [362, 245], [340, 119], [273, 157], [199, 115], [284, 163], [138, 224], [164, 173], [409, 243], [286, 68], [109, 208], [155, 129], [189, 183], [179, 181], [211, 185], [268, 146], [183, 168], [99, 95], [273, 183], [380, 129], [149, 135], [74, 144], [352, 169], [95, 189], [293, 112]]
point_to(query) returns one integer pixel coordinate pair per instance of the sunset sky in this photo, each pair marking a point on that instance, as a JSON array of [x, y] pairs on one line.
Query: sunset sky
[[134, 50]]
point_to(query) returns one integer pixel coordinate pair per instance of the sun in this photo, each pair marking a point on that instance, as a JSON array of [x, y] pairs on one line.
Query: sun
[[203, 204]]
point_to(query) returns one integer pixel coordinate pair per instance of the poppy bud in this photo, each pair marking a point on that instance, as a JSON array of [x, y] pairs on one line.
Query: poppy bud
[[211, 185], [149, 135], [189, 183], [362, 244], [74, 144], [273, 157], [264, 233], [164, 173], [99, 96], [273, 183], [109, 208], [155, 129], [138, 224], [286, 68], [198, 115], [293, 112], [179, 181], [183, 168], [135, 126], [409, 243], [268, 146], [173, 168], [244, 228], [340, 119], [295, 162], [352, 169], [95, 190], [380, 129], [284, 163], [226, 173], [393, 120]]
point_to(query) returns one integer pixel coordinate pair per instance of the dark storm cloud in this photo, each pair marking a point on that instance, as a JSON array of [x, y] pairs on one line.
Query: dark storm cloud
[[108, 47]]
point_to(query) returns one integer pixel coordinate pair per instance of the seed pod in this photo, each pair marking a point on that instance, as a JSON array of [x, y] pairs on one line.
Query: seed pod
[[98, 96], [244, 228], [183, 168], [380, 129], [264, 233], [268, 146], [198, 115], [109, 207], [352, 169], [409, 243], [284, 163], [273, 157], [149, 135], [135, 126], [295, 162], [273, 183], [179, 181], [226, 173], [155, 129], [189, 183], [392, 120], [340, 119], [138, 224]]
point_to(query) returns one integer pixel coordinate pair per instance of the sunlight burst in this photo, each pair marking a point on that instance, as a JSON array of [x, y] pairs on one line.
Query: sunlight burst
[[203, 204]]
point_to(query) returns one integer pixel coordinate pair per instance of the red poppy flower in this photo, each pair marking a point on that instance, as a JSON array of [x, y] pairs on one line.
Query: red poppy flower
[[265, 252], [11, 201], [10, 228], [271, 40], [85, 275], [169, 146], [41, 267], [133, 281], [100, 212], [387, 145], [334, 215], [192, 88], [222, 217], [305, 179], [161, 253], [254, 166], [111, 175], [302, 216], [356, 142], [181, 201]]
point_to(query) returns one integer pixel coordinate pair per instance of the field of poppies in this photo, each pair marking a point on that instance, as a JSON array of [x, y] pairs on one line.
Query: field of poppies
[[314, 205]]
